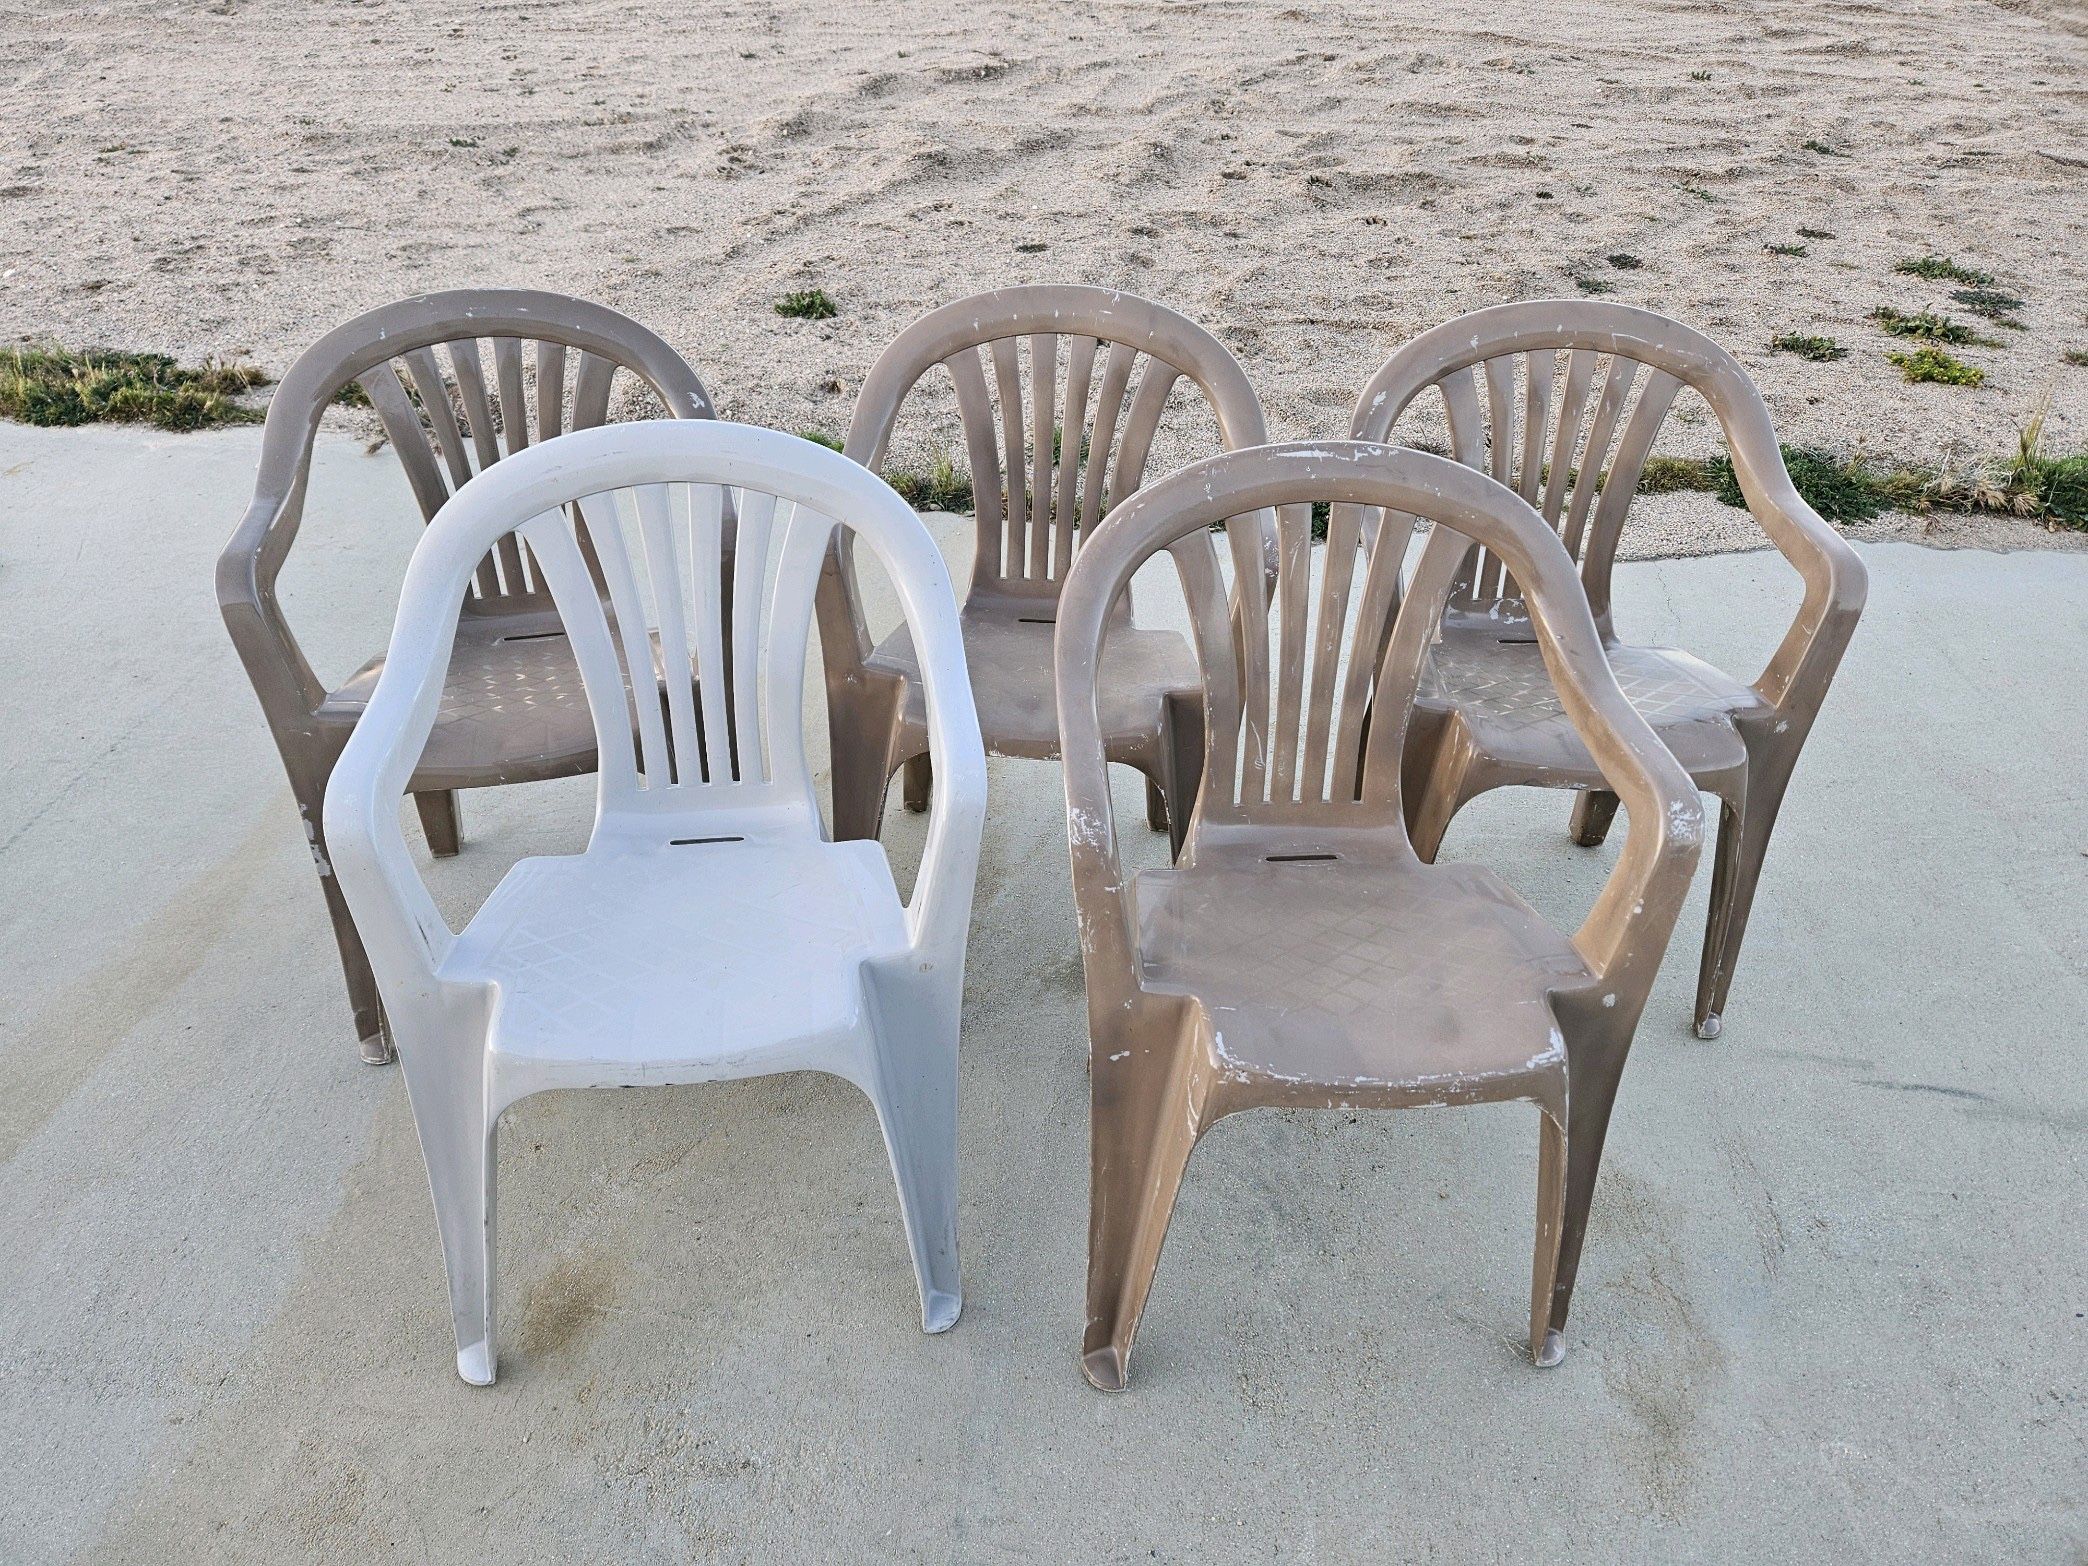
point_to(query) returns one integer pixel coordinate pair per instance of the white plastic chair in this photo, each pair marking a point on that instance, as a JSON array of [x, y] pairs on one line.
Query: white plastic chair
[[709, 931]]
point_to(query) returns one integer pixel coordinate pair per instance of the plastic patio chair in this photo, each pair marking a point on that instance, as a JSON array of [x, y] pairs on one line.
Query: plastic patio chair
[[513, 712], [1299, 954], [709, 931], [1572, 441], [1043, 473]]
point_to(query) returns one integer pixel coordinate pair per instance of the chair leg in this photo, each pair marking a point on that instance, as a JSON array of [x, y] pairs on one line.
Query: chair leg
[[371, 1032], [913, 1086], [440, 821], [919, 779], [1181, 766], [444, 1084], [1139, 1150], [1547, 1347], [1156, 806], [860, 730], [1591, 1097], [1593, 811], [1743, 842], [1447, 788]]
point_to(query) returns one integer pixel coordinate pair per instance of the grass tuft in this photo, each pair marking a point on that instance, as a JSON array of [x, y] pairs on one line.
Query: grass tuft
[[1624, 261], [941, 488], [65, 386], [1592, 285], [1936, 366], [807, 304], [1823, 149], [1815, 233], [1991, 303], [1785, 250], [1941, 269], [2077, 357], [1821, 350], [1928, 325], [820, 438]]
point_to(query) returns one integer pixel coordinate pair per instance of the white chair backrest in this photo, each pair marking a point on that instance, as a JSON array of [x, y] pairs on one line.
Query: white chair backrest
[[627, 525]]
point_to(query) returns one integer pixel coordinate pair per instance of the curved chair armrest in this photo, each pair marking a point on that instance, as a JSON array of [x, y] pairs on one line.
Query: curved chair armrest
[[247, 570], [1102, 899], [1625, 933], [1836, 580], [940, 914], [401, 929], [1626, 930]]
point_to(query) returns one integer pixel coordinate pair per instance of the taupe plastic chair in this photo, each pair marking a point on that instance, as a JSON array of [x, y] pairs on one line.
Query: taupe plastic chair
[[1573, 441], [1299, 953], [513, 708], [1043, 474]]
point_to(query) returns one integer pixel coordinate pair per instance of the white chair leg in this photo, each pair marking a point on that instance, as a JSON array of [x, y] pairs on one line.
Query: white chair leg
[[913, 1085], [457, 1141]]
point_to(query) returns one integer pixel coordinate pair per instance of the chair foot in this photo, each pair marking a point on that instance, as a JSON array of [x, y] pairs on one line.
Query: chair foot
[[940, 1310], [917, 783], [1104, 1369], [377, 1049], [1710, 1027], [1552, 1351], [475, 1364], [1156, 806]]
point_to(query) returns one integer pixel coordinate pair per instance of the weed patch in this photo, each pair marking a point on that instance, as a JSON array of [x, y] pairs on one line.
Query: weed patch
[[65, 386]]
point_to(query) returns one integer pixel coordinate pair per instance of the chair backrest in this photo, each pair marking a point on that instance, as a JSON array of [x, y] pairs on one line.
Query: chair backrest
[[1060, 392], [1561, 400], [1307, 699], [465, 378], [625, 525]]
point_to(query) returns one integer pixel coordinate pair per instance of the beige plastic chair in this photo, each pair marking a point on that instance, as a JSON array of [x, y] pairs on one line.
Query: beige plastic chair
[[1299, 953], [513, 708], [1539, 395], [1099, 368]]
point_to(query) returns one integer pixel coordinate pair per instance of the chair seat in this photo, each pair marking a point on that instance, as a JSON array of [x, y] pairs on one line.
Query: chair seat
[[1506, 698], [1009, 651], [679, 962], [513, 708], [1365, 973]]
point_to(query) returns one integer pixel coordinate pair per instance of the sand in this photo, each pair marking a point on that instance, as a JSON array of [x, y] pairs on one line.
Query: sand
[[1314, 182]]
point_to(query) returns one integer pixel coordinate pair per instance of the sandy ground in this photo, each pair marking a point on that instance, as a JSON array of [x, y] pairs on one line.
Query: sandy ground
[[1829, 1309], [1315, 182]]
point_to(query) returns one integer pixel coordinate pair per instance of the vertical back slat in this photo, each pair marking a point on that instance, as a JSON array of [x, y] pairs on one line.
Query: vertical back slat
[[1620, 484], [550, 389], [1073, 446], [1573, 411], [975, 414], [1210, 620], [1251, 611], [1293, 630], [706, 595], [1008, 379], [1109, 407], [478, 408], [605, 530], [1374, 620], [591, 391], [553, 543], [1141, 424], [757, 515], [1539, 368], [409, 439], [1616, 386], [514, 407], [1043, 398], [435, 406], [1329, 621], [665, 566]]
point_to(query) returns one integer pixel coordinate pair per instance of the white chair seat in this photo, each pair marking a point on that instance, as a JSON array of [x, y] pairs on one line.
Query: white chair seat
[[681, 963]]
